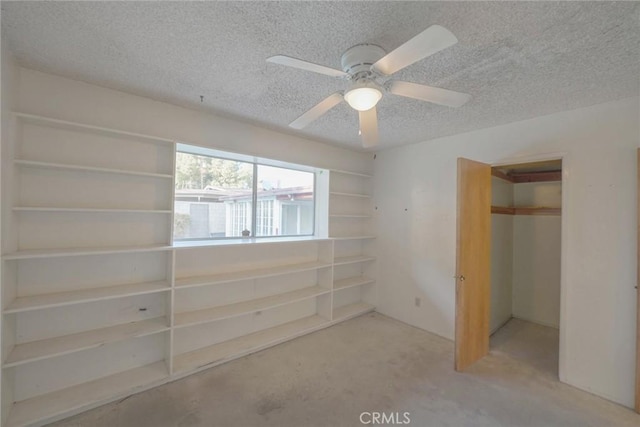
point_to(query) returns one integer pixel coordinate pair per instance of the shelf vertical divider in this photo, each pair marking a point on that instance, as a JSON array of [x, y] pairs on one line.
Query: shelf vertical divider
[[171, 309], [172, 263]]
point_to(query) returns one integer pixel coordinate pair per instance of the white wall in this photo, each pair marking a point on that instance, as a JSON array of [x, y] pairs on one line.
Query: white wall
[[417, 246], [501, 255], [57, 97], [536, 255]]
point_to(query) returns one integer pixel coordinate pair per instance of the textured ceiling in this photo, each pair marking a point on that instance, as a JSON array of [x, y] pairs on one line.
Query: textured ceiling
[[517, 59]]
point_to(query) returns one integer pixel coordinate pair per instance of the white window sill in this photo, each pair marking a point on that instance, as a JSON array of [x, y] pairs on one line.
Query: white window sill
[[180, 244]]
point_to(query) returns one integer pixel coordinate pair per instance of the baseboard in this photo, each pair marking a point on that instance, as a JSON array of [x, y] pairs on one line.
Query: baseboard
[[494, 330], [537, 322]]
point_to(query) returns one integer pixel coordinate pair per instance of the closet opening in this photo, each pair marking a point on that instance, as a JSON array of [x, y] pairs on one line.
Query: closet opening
[[526, 262]]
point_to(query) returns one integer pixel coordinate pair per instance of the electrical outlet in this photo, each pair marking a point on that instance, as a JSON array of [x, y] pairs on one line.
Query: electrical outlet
[[417, 302]]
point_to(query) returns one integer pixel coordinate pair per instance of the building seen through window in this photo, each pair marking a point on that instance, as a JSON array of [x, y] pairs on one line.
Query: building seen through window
[[214, 199]]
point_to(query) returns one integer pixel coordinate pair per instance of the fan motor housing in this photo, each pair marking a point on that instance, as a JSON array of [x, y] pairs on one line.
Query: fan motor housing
[[360, 58]]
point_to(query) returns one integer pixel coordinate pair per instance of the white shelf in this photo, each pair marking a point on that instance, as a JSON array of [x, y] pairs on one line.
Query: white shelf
[[85, 396], [351, 310], [248, 274], [334, 193], [362, 175], [52, 347], [353, 237], [47, 165], [60, 299], [352, 259], [349, 216], [50, 253], [88, 210], [197, 317], [74, 125], [351, 282], [246, 344]]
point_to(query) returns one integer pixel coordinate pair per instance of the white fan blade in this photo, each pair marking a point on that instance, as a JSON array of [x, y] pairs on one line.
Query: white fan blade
[[288, 61], [431, 94], [317, 110], [428, 42], [369, 127]]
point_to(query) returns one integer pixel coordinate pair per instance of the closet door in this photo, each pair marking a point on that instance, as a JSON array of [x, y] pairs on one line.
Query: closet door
[[472, 262]]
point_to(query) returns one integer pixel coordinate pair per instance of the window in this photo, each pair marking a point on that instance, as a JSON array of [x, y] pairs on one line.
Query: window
[[287, 199], [217, 197]]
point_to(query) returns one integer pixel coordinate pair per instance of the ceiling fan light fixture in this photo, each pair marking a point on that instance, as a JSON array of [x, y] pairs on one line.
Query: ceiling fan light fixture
[[363, 98]]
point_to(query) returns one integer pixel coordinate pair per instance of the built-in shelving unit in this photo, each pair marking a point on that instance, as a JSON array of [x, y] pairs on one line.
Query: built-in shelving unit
[[70, 252], [344, 172], [356, 195], [351, 310], [350, 282], [85, 210], [351, 217], [52, 347], [87, 268], [233, 300], [35, 164], [249, 274], [61, 299], [354, 238], [196, 317], [74, 399], [91, 277], [218, 353], [355, 259]]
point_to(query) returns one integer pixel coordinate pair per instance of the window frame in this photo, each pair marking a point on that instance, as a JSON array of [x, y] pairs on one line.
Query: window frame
[[255, 162]]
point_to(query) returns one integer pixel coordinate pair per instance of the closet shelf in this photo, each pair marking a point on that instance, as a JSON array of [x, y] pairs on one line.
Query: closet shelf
[[333, 193], [50, 253], [60, 299], [249, 274], [90, 394], [213, 314], [353, 259], [359, 174], [241, 346], [65, 124], [48, 165], [351, 310], [351, 282], [528, 210], [67, 344], [88, 210]]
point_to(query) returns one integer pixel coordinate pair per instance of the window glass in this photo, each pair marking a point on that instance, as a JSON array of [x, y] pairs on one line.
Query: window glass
[[214, 199], [285, 202]]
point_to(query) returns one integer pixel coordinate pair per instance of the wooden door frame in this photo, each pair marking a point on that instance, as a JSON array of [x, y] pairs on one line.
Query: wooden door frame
[[566, 166]]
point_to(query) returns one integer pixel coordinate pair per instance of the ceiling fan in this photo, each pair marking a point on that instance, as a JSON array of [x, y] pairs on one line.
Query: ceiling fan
[[366, 67]]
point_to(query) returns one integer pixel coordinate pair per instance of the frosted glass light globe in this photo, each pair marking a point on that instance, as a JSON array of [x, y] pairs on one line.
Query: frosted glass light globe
[[363, 98]]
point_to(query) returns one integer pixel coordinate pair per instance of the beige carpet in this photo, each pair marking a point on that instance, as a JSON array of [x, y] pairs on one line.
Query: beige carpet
[[372, 363]]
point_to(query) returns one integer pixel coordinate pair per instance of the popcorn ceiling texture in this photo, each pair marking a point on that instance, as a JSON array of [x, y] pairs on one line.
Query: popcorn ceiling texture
[[517, 59]]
